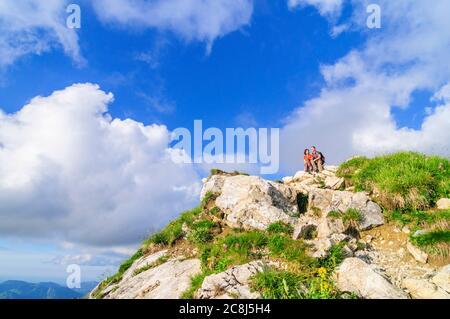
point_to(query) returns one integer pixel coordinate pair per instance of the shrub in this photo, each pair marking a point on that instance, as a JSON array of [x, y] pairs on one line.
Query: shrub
[[127, 264], [209, 196], [288, 249], [202, 231], [335, 214], [352, 217], [334, 258], [404, 180], [173, 231], [196, 283], [234, 249], [277, 284], [435, 242], [280, 228]]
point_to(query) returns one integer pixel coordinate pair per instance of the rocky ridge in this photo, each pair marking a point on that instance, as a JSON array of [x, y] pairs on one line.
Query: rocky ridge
[[323, 213]]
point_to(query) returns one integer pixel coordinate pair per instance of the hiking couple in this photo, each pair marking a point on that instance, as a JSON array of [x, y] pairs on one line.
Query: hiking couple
[[313, 160]]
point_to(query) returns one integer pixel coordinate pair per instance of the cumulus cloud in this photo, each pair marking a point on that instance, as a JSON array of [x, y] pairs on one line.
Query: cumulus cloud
[[68, 170], [325, 7], [192, 20], [35, 27], [97, 260], [353, 113]]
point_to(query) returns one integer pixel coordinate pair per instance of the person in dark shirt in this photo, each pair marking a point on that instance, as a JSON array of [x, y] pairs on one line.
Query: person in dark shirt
[[318, 160]]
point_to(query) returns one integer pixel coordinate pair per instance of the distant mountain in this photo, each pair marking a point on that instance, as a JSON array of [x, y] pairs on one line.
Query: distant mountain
[[86, 287], [15, 289]]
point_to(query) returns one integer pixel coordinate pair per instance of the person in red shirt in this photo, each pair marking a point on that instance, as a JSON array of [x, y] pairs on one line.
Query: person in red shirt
[[307, 161]]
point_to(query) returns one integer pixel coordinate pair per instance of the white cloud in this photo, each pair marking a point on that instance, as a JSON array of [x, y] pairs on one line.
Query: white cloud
[[35, 27], [88, 259], [70, 171], [193, 20], [325, 7], [353, 113]]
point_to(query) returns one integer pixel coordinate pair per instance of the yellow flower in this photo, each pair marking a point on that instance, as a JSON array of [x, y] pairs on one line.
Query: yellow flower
[[322, 272]]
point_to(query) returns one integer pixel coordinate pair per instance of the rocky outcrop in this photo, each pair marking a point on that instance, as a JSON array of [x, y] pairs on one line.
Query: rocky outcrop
[[442, 279], [143, 262], [355, 276], [251, 202], [212, 185], [315, 205], [166, 281], [328, 200], [424, 289], [231, 284], [418, 254], [443, 203]]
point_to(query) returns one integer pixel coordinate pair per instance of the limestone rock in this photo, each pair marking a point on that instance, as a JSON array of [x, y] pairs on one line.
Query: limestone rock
[[333, 182], [329, 200], [418, 254], [423, 289], [250, 202], [354, 275], [142, 262], [442, 278], [304, 228], [166, 281], [320, 198], [331, 168], [301, 176], [443, 203], [212, 185], [329, 226], [233, 283], [320, 247]]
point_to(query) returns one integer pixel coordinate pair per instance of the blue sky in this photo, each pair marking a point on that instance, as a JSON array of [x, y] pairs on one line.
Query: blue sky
[[82, 187], [267, 68]]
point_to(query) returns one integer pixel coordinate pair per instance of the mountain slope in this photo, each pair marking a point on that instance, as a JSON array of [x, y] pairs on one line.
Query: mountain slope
[[347, 232], [14, 289]]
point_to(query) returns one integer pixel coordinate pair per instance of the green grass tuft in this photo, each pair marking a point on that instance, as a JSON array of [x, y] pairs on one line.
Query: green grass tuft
[[352, 217], [280, 228], [405, 180], [161, 260], [173, 231], [196, 283], [201, 231], [278, 284]]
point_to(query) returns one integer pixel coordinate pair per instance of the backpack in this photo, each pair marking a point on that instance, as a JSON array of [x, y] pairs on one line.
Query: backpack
[[322, 157]]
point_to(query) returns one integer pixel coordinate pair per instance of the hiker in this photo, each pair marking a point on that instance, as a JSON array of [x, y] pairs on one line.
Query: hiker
[[318, 160], [307, 161]]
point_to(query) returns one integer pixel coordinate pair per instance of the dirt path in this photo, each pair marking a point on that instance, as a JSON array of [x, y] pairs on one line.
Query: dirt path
[[390, 256]]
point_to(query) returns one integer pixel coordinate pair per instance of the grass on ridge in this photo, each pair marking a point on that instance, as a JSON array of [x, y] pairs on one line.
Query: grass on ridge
[[405, 180], [173, 231]]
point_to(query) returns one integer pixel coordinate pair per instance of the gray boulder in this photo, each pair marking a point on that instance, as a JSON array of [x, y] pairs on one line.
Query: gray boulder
[[251, 202], [231, 284], [166, 281], [423, 289], [442, 278], [355, 276], [330, 200]]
